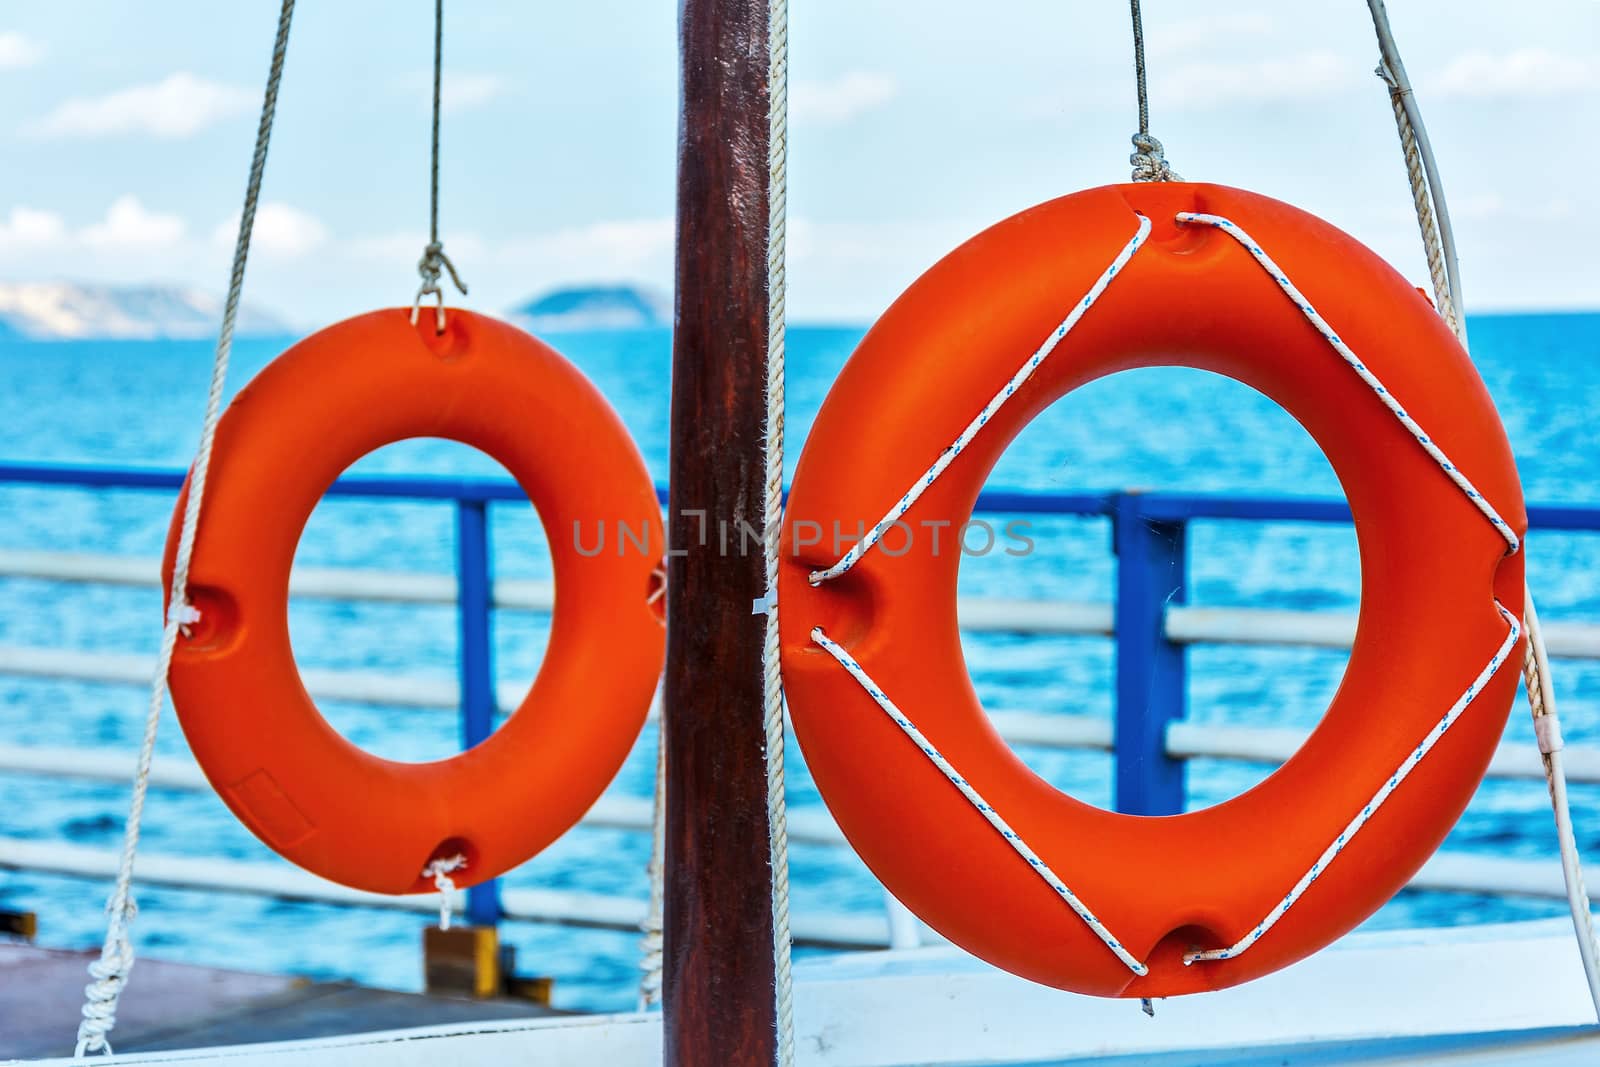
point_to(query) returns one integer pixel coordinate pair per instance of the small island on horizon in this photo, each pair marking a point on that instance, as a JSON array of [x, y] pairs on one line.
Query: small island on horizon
[[72, 311]]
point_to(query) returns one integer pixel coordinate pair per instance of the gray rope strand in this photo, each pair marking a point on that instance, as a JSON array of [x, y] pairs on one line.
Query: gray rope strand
[[1414, 138], [110, 972], [1427, 225], [1149, 162], [433, 260]]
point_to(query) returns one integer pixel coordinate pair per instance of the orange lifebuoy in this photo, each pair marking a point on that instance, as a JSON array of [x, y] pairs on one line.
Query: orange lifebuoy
[[1442, 590], [287, 774]]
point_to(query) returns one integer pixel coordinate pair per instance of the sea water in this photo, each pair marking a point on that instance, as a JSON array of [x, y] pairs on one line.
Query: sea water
[[139, 403]]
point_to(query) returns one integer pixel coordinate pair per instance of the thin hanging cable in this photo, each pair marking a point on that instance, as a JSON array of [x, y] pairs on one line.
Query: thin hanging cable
[[1149, 162], [110, 971], [433, 259], [777, 282]]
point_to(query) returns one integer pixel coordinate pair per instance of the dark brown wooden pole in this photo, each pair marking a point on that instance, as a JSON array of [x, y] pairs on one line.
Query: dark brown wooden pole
[[718, 933]]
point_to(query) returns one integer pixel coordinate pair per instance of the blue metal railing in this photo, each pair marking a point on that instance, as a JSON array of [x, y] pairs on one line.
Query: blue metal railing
[[1149, 538]]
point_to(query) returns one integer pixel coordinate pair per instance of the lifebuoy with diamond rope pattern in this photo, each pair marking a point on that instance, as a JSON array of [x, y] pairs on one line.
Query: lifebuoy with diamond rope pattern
[[955, 825]]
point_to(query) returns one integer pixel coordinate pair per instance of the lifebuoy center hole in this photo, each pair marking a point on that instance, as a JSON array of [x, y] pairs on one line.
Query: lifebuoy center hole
[[1153, 429], [379, 644]]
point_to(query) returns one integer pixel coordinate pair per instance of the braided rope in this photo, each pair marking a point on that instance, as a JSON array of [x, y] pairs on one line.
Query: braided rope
[[772, 660], [110, 972], [1547, 727], [1433, 220], [433, 260], [1149, 159], [992, 817], [652, 958], [1438, 274], [1024, 372]]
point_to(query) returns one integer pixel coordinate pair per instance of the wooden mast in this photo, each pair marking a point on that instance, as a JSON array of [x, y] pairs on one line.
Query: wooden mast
[[719, 978]]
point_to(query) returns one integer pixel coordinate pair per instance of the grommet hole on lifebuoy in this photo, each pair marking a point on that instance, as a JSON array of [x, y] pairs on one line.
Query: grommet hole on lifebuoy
[[1161, 430], [416, 629]]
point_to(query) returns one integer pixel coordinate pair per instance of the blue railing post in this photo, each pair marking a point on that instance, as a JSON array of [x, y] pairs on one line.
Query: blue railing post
[[1151, 690], [476, 662]]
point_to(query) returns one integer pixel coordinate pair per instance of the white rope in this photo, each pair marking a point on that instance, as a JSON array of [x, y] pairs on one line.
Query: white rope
[[439, 870], [1259, 254], [1514, 631], [1547, 728], [1042, 869], [948, 456], [652, 946], [1461, 481], [777, 285], [1438, 239], [110, 971]]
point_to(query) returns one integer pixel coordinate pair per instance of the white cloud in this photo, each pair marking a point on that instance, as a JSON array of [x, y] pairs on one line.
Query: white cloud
[[1492, 207], [841, 99], [1212, 84], [26, 228], [17, 51], [129, 225], [1167, 39], [463, 92], [1523, 74], [600, 248], [180, 105], [280, 230]]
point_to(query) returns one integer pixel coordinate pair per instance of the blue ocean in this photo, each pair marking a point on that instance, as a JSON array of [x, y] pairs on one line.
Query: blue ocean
[[139, 403]]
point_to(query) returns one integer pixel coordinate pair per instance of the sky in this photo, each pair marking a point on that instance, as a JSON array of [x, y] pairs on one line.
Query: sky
[[127, 130]]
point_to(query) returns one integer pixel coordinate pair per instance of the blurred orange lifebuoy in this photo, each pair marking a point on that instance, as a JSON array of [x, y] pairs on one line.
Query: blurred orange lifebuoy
[[342, 813]]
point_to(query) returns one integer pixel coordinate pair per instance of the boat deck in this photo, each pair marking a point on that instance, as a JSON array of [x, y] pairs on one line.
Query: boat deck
[[176, 1005]]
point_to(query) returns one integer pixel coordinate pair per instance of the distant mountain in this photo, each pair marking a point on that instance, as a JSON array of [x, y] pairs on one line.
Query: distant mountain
[[596, 307], [70, 311]]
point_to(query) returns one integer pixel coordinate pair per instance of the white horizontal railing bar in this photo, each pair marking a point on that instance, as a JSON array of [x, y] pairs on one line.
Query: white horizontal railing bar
[[1185, 740], [978, 614], [1264, 744], [325, 583], [1449, 872], [1187, 625], [283, 882], [1024, 616], [184, 775], [356, 687]]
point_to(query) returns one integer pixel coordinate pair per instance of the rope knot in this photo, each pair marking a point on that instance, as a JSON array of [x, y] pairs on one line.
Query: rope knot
[[439, 870], [1149, 162], [184, 614], [433, 263]]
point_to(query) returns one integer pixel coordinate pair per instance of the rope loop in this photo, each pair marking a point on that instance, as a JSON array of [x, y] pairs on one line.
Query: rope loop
[[433, 263], [109, 976], [1150, 162]]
